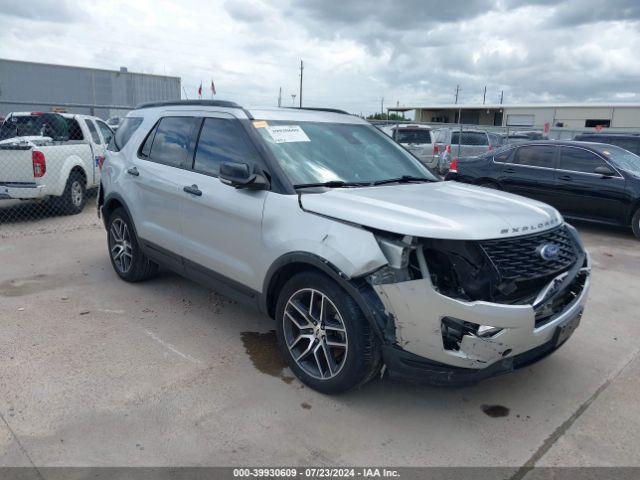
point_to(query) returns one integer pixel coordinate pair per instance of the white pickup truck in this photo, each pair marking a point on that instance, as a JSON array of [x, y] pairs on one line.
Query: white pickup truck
[[52, 156]]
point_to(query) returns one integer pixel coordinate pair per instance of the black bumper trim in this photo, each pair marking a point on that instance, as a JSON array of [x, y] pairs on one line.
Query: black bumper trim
[[413, 368]]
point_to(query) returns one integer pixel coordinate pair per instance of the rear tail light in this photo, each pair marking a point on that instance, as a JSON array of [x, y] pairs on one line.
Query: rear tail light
[[39, 163], [453, 166], [490, 147], [448, 148], [100, 162], [435, 148]]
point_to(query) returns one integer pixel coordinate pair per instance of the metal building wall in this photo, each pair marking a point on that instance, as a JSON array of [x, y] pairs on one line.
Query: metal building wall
[[26, 86]]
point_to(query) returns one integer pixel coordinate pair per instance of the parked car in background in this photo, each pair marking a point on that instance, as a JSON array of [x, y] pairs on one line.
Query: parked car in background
[[589, 181], [51, 156], [628, 141], [513, 138], [450, 143], [114, 123], [418, 139], [360, 255]]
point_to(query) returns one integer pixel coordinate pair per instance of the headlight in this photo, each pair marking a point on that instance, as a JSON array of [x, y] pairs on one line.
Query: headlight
[[397, 252]]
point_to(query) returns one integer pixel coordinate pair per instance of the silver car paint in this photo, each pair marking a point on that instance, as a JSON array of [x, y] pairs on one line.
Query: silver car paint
[[448, 210], [328, 226]]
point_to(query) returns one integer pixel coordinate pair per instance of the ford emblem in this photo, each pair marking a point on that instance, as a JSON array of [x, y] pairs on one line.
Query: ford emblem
[[549, 251]]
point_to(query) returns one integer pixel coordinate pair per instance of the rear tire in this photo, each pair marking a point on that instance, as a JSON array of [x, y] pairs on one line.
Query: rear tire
[[74, 197], [324, 336], [125, 254], [635, 223]]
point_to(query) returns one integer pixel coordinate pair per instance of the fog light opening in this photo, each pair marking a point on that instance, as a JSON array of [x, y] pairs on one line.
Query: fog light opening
[[454, 329]]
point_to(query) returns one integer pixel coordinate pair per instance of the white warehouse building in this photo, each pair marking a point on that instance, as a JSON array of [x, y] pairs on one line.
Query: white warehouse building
[[570, 116]]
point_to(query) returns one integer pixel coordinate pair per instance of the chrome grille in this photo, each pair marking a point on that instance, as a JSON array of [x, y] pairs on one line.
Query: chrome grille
[[518, 258]]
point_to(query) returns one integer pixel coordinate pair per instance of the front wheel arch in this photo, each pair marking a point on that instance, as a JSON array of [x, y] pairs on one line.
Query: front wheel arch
[[361, 291]]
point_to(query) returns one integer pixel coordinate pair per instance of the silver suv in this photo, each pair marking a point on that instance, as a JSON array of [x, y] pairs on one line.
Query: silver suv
[[451, 143], [360, 255]]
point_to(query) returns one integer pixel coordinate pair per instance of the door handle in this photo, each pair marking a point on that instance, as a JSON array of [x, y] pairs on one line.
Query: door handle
[[566, 178], [133, 171], [193, 190], [509, 170]]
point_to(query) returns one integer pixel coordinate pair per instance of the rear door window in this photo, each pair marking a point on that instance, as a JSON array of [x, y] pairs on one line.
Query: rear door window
[[579, 160], [222, 140], [93, 131], [172, 143], [503, 156], [75, 132], [535, 156]]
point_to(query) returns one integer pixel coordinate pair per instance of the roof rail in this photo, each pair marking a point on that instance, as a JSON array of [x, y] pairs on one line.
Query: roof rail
[[201, 103], [320, 109]]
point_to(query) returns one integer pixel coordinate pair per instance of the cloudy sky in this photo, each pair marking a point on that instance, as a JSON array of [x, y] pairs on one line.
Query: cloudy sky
[[355, 51]]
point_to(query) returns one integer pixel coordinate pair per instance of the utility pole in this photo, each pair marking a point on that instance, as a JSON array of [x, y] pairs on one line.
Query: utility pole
[[382, 107], [301, 70], [501, 96], [280, 97], [484, 97], [457, 91]]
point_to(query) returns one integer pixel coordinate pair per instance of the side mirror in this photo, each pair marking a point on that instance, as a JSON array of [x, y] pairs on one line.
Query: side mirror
[[604, 171], [239, 175]]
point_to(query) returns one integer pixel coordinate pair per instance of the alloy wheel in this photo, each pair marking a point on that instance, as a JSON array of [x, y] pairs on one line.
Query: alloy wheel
[[120, 245], [315, 333], [76, 193]]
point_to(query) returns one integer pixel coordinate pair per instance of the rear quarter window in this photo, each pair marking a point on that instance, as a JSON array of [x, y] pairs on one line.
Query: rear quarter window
[[127, 128]]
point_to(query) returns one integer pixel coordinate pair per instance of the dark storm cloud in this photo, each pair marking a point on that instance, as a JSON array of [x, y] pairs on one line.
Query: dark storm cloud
[[393, 14], [244, 11], [580, 12], [61, 11]]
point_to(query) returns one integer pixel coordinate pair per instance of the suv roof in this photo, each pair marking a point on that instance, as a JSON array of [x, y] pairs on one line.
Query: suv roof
[[201, 103], [309, 114]]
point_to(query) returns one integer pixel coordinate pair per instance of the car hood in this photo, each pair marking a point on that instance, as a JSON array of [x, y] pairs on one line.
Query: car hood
[[446, 210]]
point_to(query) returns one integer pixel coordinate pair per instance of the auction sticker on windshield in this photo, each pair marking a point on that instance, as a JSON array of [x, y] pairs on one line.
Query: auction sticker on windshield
[[287, 133]]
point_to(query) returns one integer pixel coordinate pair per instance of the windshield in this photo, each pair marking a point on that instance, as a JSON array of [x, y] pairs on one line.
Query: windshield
[[405, 135], [318, 152], [622, 158]]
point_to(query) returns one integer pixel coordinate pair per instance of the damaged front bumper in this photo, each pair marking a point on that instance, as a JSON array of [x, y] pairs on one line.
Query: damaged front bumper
[[521, 334]]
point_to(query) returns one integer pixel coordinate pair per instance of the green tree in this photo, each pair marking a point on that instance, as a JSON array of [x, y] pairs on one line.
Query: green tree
[[383, 116]]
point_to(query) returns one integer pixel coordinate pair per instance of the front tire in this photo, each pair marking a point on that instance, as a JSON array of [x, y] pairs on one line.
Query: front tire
[[635, 223], [324, 336], [125, 254]]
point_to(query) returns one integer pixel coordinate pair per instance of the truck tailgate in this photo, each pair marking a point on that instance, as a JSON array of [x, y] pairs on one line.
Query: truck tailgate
[[16, 165]]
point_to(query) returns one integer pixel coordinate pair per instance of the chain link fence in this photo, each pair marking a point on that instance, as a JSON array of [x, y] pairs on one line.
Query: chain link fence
[[49, 172]]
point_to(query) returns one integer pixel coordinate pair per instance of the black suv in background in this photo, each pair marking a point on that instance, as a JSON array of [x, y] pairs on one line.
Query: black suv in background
[[589, 181], [627, 141]]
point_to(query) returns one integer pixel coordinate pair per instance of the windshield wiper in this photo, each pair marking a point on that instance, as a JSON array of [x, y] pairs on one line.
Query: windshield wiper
[[332, 184], [403, 179]]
